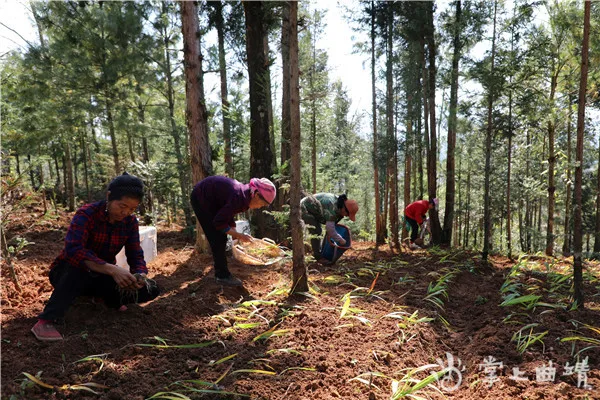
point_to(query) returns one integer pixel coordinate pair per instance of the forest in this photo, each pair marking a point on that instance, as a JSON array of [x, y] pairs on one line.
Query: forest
[[492, 107]]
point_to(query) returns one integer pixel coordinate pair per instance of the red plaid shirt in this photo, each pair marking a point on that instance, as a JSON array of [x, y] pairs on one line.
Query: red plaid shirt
[[91, 237]]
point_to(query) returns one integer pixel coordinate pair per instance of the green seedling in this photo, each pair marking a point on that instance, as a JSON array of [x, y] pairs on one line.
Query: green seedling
[[80, 386], [367, 379], [437, 292], [408, 386], [408, 320], [254, 371], [335, 279], [222, 360], [529, 301], [594, 342], [163, 344], [99, 358], [297, 369], [273, 332], [526, 339]]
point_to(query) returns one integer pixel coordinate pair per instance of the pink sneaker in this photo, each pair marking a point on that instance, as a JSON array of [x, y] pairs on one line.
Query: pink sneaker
[[46, 332], [123, 308]]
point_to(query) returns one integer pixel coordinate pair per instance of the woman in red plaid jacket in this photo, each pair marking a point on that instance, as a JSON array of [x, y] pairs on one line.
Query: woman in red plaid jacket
[[87, 264]]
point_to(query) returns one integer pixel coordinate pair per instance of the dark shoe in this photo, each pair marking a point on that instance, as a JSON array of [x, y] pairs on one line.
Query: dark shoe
[[414, 246], [46, 332], [324, 261], [229, 281]]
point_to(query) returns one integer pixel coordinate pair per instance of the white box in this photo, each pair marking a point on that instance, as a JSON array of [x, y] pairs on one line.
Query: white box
[[148, 243]]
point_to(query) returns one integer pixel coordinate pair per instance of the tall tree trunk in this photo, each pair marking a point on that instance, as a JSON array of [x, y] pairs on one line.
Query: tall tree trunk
[[425, 89], [219, 24], [141, 114], [421, 132], [313, 114], [111, 131], [508, 191], [379, 230], [407, 159], [270, 101], [567, 234], [299, 273], [261, 153], [597, 234], [468, 207], [551, 163], [18, 164], [69, 186], [65, 195], [509, 150], [460, 214], [130, 145], [577, 240], [528, 201], [392, 152], [286, 151], [452, 118], [487, 228], [31, 177], [83, 142], [182, 162], [57, 169], [436, 229], [195, 112]]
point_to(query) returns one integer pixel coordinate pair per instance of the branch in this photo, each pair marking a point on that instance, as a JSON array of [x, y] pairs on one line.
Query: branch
[[12, 30]]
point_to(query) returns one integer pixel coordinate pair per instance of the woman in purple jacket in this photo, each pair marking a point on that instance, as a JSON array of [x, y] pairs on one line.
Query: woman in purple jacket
[[216, 200]]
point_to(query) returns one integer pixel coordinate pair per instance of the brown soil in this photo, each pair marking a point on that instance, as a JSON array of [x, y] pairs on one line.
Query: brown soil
[[316, 354]]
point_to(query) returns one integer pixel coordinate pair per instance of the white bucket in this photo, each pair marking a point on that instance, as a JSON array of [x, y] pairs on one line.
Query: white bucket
[[148, 241]]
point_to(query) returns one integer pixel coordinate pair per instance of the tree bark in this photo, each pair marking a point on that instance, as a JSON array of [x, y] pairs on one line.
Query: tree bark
[[219, 25], [407, 159], [83, 142], [379, 230], [195, 113], [286, 151], [567, 234], [597, 234], [261, 152], [111, 131], [436, 229], [70, 188], [299, 272], [392, 152], [551, 163], [179, 148], [577, 240], [313, 116], [487, 228], [452, 119]]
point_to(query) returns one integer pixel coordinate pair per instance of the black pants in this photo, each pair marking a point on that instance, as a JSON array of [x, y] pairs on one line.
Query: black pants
[[216, 239], [70, 282], [414, 228]]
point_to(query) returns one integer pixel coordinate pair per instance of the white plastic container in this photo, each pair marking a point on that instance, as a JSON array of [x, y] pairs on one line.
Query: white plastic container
[[148, 243], [241, 226]]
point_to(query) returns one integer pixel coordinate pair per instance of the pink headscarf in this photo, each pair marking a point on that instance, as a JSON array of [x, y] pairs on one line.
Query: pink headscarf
[[265, 187]]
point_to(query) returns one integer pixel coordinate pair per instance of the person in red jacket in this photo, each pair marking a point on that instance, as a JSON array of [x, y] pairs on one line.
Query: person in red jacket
[[414, 214]]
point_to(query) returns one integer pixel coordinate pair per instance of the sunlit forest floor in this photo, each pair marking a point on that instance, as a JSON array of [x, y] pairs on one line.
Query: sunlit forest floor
[[374, 326]]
